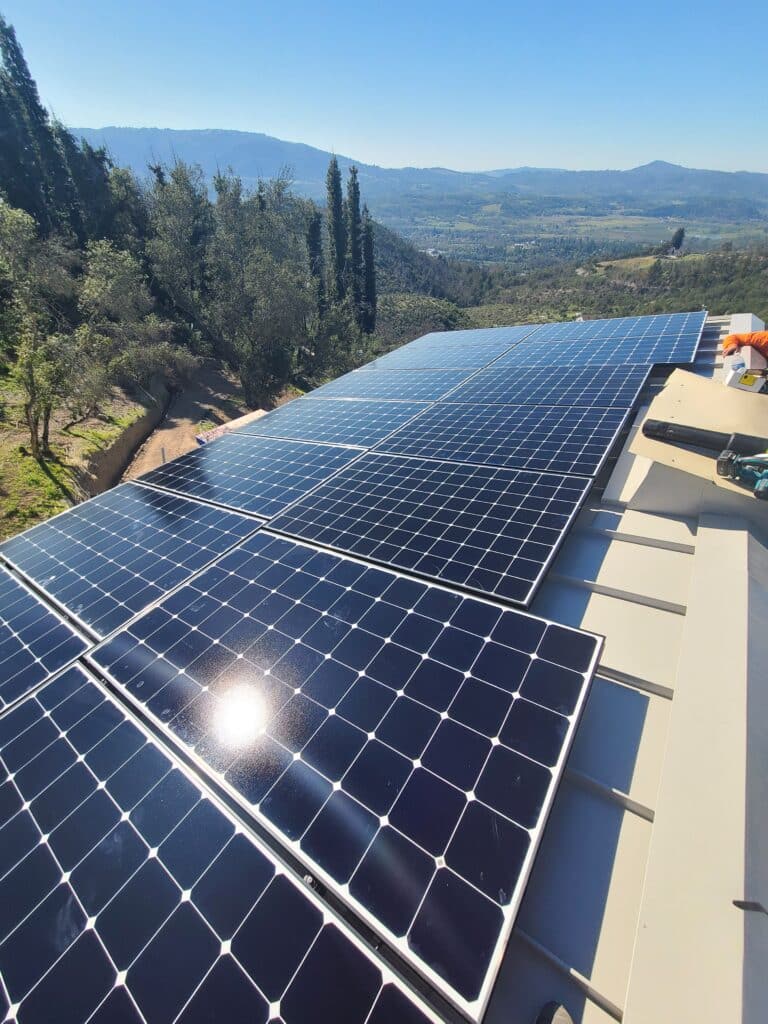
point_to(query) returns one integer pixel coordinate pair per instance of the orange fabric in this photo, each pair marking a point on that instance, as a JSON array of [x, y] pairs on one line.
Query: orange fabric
[[756, 339]]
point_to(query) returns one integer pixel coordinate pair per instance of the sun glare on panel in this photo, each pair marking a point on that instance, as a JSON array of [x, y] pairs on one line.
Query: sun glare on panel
[[240, 717]]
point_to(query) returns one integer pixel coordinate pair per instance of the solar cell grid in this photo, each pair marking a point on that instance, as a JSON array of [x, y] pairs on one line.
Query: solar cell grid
[[663, 325], [109, 557], [374, 722], [479, 335], [447, 349], [127, 894], [34, 641], [542, 438], [517, 385], [488, 529], [393, 385], [260, 475], [602, 353], [335, 421]]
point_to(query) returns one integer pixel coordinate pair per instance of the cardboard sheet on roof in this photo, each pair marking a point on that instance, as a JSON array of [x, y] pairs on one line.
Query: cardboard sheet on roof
[[697, 402]]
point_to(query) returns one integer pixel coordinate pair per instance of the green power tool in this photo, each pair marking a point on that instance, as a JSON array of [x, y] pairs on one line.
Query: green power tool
[[741, 457]]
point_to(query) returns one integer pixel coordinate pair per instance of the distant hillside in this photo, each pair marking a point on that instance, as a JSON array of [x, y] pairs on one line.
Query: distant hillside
[[253, 155]]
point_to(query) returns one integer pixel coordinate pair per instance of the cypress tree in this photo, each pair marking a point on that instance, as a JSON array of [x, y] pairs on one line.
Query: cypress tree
[[315, 248], [354, 267], [369, 275], [41, 153], [337, 232]]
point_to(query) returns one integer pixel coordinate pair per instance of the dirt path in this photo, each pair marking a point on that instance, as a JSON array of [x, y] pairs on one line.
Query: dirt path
[[213, 398]]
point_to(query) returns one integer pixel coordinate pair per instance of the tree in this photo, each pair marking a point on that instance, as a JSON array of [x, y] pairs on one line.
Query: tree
[[49, 191], [181, 221], [354, 261], [369, 302], [337, 233], [315, 251], [44, 372]]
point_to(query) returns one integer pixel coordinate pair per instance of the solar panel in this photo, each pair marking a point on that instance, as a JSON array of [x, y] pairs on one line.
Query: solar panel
[[448, 349], [660, 351], [109, 557], [490, 530], [335, 421], [402, 738], [34, 641], [478, 335], [393, 385], [129, 895], [584, 348], [663, 325], [517, 385], [260, 475], [545, 438]]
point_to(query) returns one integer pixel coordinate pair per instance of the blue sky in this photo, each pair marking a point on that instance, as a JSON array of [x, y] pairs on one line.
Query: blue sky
[[426, 82]]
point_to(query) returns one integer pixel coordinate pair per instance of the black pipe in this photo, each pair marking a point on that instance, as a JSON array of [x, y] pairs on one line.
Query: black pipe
[[713, 440]]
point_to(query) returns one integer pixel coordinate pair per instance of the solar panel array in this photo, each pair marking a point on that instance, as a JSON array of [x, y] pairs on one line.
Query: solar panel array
[[490, 530], [454, 349], [251, 713], [618, 385], [667, 339], [335, 421], [260, 475], [34, 640], [108, 558], [553, 439], [376, 725], [127, 894], [394, 385]]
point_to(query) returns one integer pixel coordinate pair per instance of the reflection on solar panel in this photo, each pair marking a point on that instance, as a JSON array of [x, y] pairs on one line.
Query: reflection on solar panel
[[109, 557], [253, 474], [490, 530], [452, 349], [34, 641], [402, 737], [546, 438], [130, 895], [517, 385], [664, 325], [335, 421], [393, 385]]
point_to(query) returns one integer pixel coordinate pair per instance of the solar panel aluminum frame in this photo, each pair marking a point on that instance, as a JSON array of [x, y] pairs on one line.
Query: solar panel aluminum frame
[[471, 1010], [207, 789]]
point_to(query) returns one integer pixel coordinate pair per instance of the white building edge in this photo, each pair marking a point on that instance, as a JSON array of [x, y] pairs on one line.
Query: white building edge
[[660, 827]]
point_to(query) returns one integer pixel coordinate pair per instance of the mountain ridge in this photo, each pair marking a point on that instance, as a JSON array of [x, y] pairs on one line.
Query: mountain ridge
[[256, 154]]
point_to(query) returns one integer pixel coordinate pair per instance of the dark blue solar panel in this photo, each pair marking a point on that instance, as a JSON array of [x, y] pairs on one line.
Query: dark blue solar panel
[[375, 722], [335, 421], [448, 349], [545, 438], [34, 641], [605, 343], [488, 529], [109, 557], [393, 385], [128, 896], [662, 325], [586, 386], [260, 475]]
